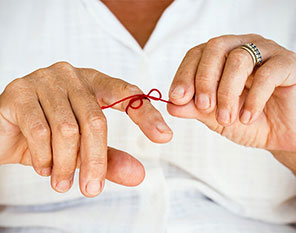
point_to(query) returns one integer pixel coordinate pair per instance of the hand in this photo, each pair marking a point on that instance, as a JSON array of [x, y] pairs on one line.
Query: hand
[[218, 85], [52, 120]]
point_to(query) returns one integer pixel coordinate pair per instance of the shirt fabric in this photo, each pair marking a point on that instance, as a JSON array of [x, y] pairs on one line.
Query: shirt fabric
[[200, 181]]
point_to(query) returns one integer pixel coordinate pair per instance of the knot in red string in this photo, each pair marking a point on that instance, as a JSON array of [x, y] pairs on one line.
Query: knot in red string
[[140, 98]]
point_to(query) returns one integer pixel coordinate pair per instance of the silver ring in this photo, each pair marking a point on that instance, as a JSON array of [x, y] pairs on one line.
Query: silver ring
[[254, 52]]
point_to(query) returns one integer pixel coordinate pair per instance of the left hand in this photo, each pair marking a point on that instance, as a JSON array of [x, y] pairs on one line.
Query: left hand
[[218, 85]]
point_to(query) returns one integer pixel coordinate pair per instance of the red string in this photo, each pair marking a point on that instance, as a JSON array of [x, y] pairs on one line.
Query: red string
[[138, 97]]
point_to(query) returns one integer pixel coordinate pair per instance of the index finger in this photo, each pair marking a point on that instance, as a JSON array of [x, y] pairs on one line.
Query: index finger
[[182, 88], [109, 90]]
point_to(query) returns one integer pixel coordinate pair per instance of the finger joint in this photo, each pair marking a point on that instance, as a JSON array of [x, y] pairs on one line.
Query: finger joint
[[39, 130], [67, 129]]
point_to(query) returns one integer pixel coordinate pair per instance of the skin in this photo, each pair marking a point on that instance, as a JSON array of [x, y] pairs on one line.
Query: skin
[[218, 85], [51, 118], [138, 17]]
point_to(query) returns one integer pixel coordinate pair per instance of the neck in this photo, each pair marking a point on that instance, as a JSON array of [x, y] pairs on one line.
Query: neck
[[138, 17]]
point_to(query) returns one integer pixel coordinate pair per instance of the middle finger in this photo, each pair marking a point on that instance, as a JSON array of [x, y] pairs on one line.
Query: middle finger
[[239, 66], [211, 66], [93, 149]]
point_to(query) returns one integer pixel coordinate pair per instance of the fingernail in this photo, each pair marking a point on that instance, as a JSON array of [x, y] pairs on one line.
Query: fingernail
[[224, 116], [163, 128], [245, 117], [94, 187], [45, 171], [178, 92], [63, 185], [203, 101]]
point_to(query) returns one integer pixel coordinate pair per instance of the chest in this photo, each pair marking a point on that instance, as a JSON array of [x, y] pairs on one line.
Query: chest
[[138, 17]]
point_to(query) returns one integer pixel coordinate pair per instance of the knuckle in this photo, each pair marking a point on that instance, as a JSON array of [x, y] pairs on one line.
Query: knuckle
[[254, 104], [40, 130], [263, 80], [41, 72], [271, 43], [65, 71], [65, 172], [238, 57], [64, 165], [40, 162], [194, 51], [40, 77], [10, 88], [130, 88], [263, 74], [185, 74], [205, 85], [217, 42], [96, 161], [225, 96], [97, 123], [67, 129], [16, 85], [256, 36], [62, 65], [204, 80]]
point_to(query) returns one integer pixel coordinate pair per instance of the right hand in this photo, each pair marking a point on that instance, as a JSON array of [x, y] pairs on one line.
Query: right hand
[[51, 119]]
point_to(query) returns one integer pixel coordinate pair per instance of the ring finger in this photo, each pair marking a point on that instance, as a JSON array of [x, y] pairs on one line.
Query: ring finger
[[238, 67]]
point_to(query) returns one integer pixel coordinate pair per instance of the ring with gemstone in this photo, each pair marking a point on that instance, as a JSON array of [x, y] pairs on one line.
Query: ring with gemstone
[[254, 52]]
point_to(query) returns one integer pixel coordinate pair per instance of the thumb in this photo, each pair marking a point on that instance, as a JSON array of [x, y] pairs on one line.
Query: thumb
[[122, 168], [190, 111]]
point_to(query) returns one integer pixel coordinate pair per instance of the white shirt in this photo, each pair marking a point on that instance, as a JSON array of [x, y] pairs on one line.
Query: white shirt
[[196, 164]]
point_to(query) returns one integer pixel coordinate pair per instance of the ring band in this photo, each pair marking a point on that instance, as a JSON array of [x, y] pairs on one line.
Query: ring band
[[254, 52]]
